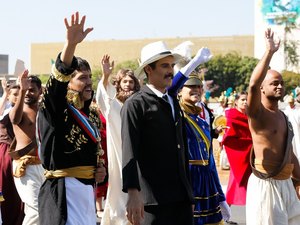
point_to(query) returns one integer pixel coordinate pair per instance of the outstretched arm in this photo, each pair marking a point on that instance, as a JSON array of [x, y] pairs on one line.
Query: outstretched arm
[[107, 68], [259, 74], [203, 55], [16, 113], [75, 34]]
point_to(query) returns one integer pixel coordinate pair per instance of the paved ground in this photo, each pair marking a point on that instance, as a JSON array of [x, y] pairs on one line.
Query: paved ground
[[238, 213]]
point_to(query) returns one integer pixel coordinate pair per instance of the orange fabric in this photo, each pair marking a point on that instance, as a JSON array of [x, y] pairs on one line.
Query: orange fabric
[[23, 162], [266, 166]]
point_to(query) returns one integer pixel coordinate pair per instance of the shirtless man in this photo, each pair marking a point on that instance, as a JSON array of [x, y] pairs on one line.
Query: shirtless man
[[271, 196], [27, 168]]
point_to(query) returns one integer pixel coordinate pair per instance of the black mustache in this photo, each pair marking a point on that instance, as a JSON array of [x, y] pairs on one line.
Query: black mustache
[[88, 86]]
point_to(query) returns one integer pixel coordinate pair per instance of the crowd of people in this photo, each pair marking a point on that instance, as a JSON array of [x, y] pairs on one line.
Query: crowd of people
[[144, 143]]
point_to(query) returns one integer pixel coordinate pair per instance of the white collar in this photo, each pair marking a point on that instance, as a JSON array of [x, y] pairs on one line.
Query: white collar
[[157, 92]]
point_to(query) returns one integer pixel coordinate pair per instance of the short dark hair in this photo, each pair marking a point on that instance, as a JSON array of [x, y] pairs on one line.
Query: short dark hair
[[36, 80], [152, 65], [238, 95], [82, 65]]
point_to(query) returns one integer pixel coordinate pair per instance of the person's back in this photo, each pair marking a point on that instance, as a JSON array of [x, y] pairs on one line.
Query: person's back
[[271, 196]]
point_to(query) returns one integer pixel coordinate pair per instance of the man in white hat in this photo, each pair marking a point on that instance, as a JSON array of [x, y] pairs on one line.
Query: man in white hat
[[155, 157]]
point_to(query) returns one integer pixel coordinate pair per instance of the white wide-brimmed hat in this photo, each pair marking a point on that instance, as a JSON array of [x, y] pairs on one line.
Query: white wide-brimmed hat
[[151, 53]]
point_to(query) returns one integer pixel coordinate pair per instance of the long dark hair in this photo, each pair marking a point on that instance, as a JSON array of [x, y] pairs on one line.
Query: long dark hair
[[123, 73], [121, 94]]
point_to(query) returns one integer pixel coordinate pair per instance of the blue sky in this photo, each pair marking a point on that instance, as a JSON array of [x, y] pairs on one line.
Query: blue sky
[[37, 21]]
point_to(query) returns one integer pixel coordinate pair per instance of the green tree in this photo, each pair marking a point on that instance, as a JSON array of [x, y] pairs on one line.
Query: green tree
[[44, 78], [230, 70], [291, 80], [96, 76], [129, 64], [290, 46], [97, 73]]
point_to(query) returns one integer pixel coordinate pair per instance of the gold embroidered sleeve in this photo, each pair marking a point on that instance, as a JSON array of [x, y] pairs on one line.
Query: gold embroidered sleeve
[[94, 117], [61, 77]]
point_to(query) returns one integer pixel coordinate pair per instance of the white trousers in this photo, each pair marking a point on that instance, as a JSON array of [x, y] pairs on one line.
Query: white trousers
[[271, 202], [80, 202], [28, 188]]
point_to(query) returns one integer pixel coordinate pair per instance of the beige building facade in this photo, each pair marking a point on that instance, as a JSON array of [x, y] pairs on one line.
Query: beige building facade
[[122, 50]]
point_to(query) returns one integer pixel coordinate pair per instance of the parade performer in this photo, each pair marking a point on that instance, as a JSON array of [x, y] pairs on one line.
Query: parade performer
[[273, 190], [237, 142], [110, 98], [69, 137], [210, 205]]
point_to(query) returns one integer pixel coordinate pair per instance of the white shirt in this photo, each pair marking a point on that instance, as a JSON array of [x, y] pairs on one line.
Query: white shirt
[[294, 118], [160, 94]]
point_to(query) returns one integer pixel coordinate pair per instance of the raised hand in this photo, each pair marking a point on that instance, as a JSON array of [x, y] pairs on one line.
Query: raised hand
[[271, 44], [75, 29], [203, 55], [23, 81], [75, 35], [107, 66], [4, 85]]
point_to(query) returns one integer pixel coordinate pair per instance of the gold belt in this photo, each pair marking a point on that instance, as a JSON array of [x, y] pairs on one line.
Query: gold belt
[[23, 162], [265, 166], [203, 162], [1, 198], [84, 172]]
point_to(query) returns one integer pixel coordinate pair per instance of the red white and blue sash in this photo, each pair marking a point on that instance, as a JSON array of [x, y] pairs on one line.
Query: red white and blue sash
[[85, 124]]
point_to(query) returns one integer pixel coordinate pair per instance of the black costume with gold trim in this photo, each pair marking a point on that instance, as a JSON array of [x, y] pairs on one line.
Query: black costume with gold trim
[[64, 143]]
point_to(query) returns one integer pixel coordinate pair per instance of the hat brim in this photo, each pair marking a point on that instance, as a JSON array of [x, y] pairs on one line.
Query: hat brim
[[140, 73], [193, 82]]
